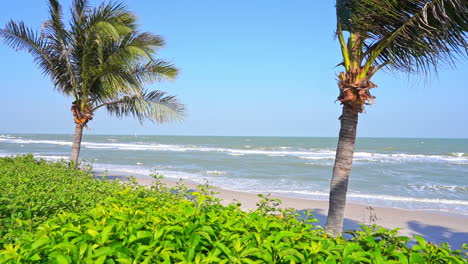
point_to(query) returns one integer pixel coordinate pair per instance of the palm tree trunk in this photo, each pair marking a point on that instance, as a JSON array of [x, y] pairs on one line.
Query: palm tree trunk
[[342, 169], [76, 143]]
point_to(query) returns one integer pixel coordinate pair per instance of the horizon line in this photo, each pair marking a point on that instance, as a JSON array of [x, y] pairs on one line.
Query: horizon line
[[166, 135]]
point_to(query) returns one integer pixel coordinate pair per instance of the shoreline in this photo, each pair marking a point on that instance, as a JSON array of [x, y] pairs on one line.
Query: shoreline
[[434, 226]]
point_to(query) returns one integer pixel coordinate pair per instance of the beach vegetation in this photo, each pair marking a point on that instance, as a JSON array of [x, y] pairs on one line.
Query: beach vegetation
[[33, 190], [103, 221], [412, 36], [100, 60]]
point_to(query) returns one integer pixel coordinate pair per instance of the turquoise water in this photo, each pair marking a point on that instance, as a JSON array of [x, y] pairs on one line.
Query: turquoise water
[[419, 174]]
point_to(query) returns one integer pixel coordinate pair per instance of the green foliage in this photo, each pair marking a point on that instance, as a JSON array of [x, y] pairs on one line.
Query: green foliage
[[126, 223], [32, 190], [406, 35]]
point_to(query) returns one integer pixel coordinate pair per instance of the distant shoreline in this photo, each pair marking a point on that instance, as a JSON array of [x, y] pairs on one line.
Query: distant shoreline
[[224, 136]]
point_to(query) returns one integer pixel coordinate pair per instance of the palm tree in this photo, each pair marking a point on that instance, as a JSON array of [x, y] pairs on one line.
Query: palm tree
[[406, 35], [101, 61]]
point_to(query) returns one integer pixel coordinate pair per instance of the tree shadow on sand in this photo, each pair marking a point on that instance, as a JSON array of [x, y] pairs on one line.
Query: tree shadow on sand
[[432, 233], [438, 234]]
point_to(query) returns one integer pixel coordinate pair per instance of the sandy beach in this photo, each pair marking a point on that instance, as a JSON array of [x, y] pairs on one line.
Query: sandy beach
[[436, 227]]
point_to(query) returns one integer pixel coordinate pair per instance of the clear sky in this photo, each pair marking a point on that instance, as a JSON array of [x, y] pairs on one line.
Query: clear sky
[[256, 68]]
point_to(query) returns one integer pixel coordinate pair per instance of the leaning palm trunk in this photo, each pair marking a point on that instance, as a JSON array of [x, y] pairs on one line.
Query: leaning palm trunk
[[342, 169], [76, 146], [354, 94], [81, 119]]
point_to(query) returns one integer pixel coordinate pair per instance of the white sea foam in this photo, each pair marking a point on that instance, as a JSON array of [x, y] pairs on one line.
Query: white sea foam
[[368, 197], [52, 157], [438, 187], [31, 141], [281, 151], [123, 169], [6, 154], [403, 157], [37, 155], [410, 199], [7, 136], [214, 172], [140, 171]]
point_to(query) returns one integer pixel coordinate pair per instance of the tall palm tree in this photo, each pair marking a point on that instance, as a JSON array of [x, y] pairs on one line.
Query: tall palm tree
[[406, 35], [101, 61]]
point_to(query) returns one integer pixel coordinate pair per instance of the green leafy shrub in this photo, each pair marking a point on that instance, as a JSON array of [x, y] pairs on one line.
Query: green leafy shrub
[[32, 190], [160, 225]]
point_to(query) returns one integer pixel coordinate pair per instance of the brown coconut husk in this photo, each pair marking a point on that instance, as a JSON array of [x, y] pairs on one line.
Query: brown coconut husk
[[81, 117], [353, 92]]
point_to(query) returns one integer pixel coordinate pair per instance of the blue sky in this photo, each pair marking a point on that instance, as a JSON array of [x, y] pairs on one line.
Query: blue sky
[[257, 68]]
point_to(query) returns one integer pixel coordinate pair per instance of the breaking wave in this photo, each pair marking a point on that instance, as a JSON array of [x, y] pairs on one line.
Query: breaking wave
[[280, 151]]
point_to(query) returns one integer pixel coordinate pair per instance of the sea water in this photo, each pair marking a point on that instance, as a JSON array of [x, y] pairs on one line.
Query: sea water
[[414, 174]]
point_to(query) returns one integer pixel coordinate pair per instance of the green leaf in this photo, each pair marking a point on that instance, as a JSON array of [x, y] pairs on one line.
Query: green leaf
[[189, 210], [190, 254], [35, 257], [205, 235], [106, 232], [283, 234], [143, 234], [248, 261], [92, 232], [251, 252], [40, 242], [292, 252], [103, 251], [83, 249], [417, 258], [224, 249], [275, 225], [61, 259], [421, 241], [100, 260]]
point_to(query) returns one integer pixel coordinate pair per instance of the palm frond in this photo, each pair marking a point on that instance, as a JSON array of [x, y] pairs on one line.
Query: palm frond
[[408, 35], [149, 39], [155, 106], [78, 11], [156, 70], [113, 13], [113, 82], [100, 59], [58, 40], [20, 37], [434, 33]]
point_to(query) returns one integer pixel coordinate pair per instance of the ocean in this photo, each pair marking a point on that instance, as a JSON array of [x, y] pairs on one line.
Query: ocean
[[407, 173]]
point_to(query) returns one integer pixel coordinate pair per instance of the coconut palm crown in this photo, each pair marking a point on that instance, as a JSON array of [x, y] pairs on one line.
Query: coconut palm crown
[[404, 35], [101, 61]]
